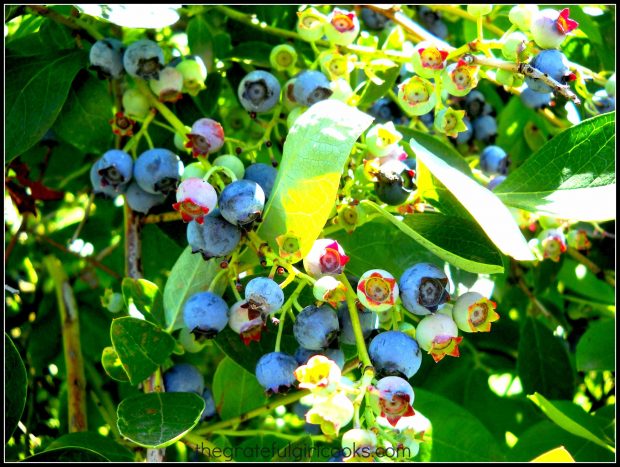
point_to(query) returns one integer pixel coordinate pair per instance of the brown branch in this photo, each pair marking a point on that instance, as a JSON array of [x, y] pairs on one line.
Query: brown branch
[[70, 325]]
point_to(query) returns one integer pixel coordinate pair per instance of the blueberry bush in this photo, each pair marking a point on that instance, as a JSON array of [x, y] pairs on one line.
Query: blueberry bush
[[294, 233]]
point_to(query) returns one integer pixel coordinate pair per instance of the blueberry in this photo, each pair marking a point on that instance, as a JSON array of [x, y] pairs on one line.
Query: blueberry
[[603, 103], [439, 29], [552, 63], [194, 73], [158, 170], [242, 202], [168, 86], [259, 91], [549, 27], [232, 163], [494, 160], [438, 335], [423, 288], [99, 187], [246, 322], [394, 353], [311, 87], [264, 295], [115, 168], [106, 58], [465, 136], [263, 174], [214, 238], [326, 257], [141, 201], [394, 183], [205, 314], [143, 59], [396, 398], [372, 19], [275, 372], [368, 321], [316, 327], [495, 181], [475, 105], [184, 377], [209, 411], [386, 110], [195, 198], [485, 129], [135, 103], [535, 100], [205, 137]]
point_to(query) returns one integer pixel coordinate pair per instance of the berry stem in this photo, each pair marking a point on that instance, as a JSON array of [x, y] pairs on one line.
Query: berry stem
[[177, 124], [362, 352], [218, 168], [135, 139], [479, 24]]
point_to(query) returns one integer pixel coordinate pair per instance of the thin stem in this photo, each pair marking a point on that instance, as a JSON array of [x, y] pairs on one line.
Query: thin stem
[[142, 132], [479, 23], [70, 325], [161, 108], [362, 352], [102, 398]]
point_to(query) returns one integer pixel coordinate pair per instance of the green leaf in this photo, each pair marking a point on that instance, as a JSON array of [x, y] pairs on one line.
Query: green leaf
[[83, 121], [50, 38], [439, 148], [253, 50], [448, 418], [296, 451], [35, 94], [572, 176], [545, 435], [15, 387], [596, 348], [67, 454], [386, 70], [455, 240], [572, 418], [199, 37], [576, 277], [247, 393], [141, 346], [315, 151], [90, 440], [158, 419], [189, 275], [146, 297], [543, 362], [494, 218], [112, 365]]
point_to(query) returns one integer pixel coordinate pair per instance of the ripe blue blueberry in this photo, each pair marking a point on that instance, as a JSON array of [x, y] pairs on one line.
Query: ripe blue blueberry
[[242, 202], [432, 21], [115, 168], [602, 102], [98, 184], [494, 160], [158, 170], [394, 183], [476, 105], [485, 129], [372, 19], [209, 411], [141, 201], [214, 238], [386, 110], [316, 327], [423, 288], [205, 314], [264, 295], [311, 87], [106, 58], [275, 372], [552, 63], [394, 353], [495, 181], [184, 377], [263, 174], [143, 59], [303, 355], [465, 136], [535, 100], [259, 91]]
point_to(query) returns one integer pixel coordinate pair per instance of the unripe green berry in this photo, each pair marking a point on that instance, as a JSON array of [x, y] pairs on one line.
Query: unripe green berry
[[479, 10], [231, 162], [514, 46], [521, 16], [112, 301], [505, 78], [194, 74], [135, 103], [193, 170], [179, 140], [283, 57]]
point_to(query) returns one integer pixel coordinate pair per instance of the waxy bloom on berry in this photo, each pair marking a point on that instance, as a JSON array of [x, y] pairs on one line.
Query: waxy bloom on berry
[[438, 335], [450, 122], [342, 27], [377, 290], [395, 398], [289, 247], [195, 199], [320, 375], [310, 24], [460, 78], [331, 413], [473, 312], [417, 96], [427, 59]]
